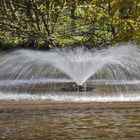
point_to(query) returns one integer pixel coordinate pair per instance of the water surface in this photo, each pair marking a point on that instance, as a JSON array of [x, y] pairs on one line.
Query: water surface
[[52, 124]]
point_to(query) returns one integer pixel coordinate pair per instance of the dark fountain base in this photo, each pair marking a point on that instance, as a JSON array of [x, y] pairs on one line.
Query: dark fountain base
[[78, 88]]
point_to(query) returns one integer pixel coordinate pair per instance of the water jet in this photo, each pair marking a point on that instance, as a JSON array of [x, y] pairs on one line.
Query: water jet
[[63, 74]]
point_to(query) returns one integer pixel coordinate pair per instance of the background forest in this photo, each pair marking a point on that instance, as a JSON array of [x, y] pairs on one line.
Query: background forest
[[46, 24]]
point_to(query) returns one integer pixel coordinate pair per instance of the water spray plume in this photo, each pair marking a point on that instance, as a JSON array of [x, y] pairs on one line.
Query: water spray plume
[[60, 68]]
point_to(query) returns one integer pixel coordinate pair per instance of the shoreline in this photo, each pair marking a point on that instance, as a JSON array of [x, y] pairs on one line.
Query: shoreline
[[56, 105]]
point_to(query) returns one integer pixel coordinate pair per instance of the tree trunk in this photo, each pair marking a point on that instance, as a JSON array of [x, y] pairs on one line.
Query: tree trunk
[[73, 17]]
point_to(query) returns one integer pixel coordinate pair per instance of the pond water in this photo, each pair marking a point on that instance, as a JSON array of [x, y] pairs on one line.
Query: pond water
[[71, 75], [75, 124]]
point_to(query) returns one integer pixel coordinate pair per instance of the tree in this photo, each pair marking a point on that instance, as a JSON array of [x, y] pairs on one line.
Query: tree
[[61, 23], [30, 20]]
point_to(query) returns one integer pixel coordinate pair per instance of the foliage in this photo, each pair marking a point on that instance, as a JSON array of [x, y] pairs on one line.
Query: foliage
[[52, 23]]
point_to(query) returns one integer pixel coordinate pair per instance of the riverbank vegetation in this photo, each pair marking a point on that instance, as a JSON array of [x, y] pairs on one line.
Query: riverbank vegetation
[[46, 24]]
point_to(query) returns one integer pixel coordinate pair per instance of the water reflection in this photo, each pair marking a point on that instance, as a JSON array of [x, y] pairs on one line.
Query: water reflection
[[70, 124]]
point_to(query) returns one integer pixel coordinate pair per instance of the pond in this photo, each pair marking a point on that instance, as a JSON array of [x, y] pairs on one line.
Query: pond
[[76, 75], [65, 124]]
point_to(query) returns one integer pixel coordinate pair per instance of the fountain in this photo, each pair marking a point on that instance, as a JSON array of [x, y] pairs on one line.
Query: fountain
[[75, 74]]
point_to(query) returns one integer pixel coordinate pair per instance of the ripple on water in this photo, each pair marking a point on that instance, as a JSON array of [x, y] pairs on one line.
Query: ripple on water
[[71, 124]]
